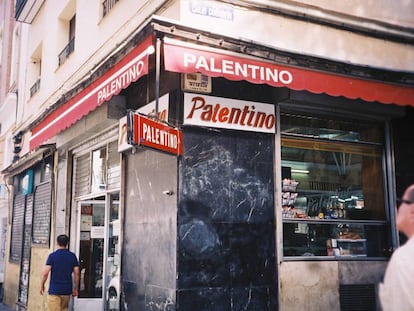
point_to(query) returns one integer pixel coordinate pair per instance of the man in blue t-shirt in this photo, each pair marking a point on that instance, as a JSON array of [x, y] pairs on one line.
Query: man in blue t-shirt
[[61, 263]]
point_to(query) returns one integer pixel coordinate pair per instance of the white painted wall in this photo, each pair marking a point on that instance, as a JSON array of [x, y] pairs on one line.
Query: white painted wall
[[396, 12], [95, 39], [299, 36]]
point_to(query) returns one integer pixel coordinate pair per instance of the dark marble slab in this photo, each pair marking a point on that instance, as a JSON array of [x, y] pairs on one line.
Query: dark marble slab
[[227, 299], [226, 223], [227, 176]]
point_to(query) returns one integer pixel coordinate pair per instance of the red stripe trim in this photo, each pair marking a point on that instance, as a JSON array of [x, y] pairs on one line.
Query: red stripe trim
[[133, 66], [183, 58]]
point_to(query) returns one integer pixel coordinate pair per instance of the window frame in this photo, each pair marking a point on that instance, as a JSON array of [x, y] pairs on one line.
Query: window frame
[[334, 145]]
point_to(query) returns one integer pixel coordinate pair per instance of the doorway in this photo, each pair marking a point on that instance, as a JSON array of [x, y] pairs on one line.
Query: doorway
[[99, 253]]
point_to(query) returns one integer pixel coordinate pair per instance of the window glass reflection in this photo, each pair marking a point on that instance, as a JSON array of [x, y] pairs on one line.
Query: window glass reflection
[[99, 170], [329, 181], [333, 203]]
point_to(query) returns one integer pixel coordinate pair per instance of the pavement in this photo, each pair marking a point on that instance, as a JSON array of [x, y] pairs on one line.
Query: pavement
[[3, 307]]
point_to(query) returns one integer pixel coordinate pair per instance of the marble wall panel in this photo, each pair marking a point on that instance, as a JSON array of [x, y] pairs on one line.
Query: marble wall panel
[[226, 222], [311, 286]]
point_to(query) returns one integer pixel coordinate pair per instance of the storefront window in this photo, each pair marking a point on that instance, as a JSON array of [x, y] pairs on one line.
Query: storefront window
[[99, 170], [331, 128], [333, 201]]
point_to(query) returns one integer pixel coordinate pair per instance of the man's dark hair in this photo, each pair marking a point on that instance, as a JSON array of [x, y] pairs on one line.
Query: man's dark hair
[[62, 240]]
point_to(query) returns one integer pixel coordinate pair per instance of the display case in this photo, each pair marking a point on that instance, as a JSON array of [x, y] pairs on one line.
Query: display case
[[333, 239], [333, 202], [347, 247], [329, 224]]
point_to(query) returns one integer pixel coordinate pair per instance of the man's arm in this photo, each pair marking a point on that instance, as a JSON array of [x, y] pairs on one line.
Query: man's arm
[[45, 274], [76, 273]]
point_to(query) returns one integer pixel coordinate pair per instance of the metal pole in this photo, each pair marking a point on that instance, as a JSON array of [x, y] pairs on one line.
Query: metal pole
[[157, 75], [391, 184]]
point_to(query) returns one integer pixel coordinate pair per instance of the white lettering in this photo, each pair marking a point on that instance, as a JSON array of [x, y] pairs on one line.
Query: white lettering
[[119, 82], [228, 67], [259, 71], [285, 77], [189, 59], [158, 136], [202, 63]]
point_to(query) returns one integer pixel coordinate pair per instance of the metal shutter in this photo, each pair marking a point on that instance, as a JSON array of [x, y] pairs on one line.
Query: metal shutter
[[41, 213], [17, 228]]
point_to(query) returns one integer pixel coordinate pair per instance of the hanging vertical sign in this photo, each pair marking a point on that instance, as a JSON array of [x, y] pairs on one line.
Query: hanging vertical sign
[[149, 110], [122, 135], [154, 134]]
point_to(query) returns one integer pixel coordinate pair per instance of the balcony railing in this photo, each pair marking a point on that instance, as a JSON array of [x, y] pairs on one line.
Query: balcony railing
[[107, 6], [67, 51], [35, 88], [26, 10]]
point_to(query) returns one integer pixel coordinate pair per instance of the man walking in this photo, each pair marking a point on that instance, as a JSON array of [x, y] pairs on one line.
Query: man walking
[[61, 263], [396, 293]]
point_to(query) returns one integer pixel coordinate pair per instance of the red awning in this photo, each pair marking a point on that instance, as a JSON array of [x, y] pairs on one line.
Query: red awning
[[133, 66], [190, 58]]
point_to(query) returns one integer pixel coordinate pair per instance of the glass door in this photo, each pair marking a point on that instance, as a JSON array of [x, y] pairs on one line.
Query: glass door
[[113, 260], [92, 233]]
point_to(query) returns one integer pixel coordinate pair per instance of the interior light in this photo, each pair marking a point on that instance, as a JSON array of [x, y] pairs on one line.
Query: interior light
[[300, 171]]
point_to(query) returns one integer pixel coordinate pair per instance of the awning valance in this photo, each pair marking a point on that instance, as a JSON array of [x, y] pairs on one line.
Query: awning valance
[[133, 66], [185, 57]]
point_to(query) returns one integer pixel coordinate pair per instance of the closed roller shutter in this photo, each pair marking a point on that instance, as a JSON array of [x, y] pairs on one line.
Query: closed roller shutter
[[17, 228], [41, 214]]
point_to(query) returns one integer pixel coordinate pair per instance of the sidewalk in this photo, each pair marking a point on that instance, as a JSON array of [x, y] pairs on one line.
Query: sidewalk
[[3, 307]]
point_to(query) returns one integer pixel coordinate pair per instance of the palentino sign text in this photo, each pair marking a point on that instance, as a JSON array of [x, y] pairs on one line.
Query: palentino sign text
[[131, 72], [147, 132], [184, 57], [187, 60], [209, 111]]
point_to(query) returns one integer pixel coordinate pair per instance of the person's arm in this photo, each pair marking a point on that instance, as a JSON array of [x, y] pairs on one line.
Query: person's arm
[[76, 276], [45, 274]]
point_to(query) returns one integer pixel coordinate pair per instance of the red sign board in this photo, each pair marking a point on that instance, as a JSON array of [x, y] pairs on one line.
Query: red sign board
[[154, 134], [187, 58]]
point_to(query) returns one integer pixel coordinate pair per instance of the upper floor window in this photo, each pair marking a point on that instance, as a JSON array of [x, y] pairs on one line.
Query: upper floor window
[[14, 63], [107, 5], [70, 47], [34, 72]]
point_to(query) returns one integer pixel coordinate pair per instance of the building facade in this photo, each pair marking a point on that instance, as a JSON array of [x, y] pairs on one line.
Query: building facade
[[210, 155], [9, 31]]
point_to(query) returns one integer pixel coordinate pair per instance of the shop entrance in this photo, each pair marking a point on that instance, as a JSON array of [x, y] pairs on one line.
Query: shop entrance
[[98, 253]]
